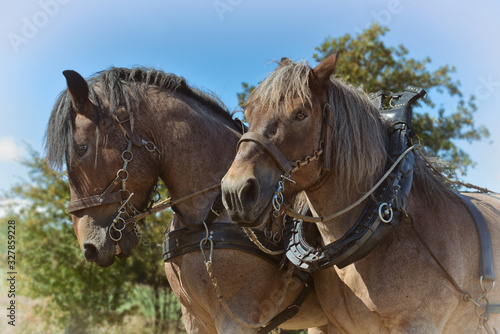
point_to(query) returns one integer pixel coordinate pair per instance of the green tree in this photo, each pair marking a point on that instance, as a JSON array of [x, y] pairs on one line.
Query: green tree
[[242, 96], [81, 295], [365, 61]]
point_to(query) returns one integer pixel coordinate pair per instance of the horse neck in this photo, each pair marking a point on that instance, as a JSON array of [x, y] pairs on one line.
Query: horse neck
[[324, 201], [358, 166], [197, 147]]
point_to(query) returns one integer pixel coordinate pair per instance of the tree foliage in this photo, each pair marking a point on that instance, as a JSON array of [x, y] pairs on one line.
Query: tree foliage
[[366, 62]]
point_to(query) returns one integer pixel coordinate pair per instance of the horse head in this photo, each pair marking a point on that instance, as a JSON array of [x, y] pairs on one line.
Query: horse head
[[111, 169], [286, 135]]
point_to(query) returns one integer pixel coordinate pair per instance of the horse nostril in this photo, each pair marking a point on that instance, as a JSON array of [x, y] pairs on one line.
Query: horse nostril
[[249, 193], [89, 252]]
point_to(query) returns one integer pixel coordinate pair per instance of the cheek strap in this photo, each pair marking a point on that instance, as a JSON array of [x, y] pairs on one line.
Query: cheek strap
[[270, 148]]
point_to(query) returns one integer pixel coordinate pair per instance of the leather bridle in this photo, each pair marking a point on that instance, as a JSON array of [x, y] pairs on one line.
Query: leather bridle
[[123, 195], [288, 167]]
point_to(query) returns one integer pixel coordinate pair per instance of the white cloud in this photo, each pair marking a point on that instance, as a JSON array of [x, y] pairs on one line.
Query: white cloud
[[12, 205], [10, 150]]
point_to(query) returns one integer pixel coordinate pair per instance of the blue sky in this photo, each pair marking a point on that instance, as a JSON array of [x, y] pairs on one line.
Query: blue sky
[[217, 44]]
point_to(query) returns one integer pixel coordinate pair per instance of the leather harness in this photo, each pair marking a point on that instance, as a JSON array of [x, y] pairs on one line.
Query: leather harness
[[226, 235], [383, 210], [372, 226]]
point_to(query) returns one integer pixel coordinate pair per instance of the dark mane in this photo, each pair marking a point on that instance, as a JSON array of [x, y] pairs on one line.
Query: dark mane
[[116, 86]]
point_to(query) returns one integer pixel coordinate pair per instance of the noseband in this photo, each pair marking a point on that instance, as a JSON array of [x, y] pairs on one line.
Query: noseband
[[123, 195]]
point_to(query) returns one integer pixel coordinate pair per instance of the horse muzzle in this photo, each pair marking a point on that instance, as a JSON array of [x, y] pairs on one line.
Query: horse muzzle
[[245, 202], [98, 247]]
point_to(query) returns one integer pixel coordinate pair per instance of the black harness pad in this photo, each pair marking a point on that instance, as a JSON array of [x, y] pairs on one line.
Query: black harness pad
[[392, 196]]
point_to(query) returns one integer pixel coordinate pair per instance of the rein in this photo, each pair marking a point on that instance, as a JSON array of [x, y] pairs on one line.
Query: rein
[[167, 203], [294, 214]]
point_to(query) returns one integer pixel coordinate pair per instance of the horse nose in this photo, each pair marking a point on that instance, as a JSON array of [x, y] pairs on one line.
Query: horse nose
[[249, 193], [89, 252], [239, 197]]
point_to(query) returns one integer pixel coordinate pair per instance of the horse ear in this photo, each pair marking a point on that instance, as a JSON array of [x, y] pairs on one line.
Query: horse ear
[[285, 61], [78, 90], [325, 69]]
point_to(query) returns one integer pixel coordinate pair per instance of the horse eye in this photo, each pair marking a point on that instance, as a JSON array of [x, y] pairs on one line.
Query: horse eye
[[300, 115], [81, 150]]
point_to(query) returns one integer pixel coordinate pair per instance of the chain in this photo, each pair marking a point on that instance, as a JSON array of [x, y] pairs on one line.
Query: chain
[[307, 160], [278, 197], [119, 223], [151, 147], [484, 316], [251, 235]]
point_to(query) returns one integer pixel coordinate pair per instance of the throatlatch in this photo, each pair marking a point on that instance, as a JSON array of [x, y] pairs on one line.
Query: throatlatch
[[383, 210]]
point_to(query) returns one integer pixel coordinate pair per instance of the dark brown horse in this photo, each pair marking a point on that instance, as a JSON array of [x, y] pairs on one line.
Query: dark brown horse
[[333, 143], [121, 130]]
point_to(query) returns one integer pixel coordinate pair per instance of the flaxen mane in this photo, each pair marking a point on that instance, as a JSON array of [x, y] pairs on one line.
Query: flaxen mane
[[359, 132], [116, 85]]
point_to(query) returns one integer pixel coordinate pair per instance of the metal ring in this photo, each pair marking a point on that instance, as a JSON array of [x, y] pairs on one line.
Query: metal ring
[[131, 155], [284, 222], [266, 231], [482, 286], [118, 220], [127, 194], [202, 242], [149, 145], [477, 310], [277, 237], [276, 204], [111, 236], [121, 209], [124, 171], [382, 214]]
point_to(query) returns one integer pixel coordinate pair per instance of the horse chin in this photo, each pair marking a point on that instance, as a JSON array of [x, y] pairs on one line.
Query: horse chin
[[105, 257], [260, 220], [124, 252], [125, 246]]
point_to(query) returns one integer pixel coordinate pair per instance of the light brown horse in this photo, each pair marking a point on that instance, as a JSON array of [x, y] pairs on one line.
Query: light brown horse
[[398, 287], [121, 130]]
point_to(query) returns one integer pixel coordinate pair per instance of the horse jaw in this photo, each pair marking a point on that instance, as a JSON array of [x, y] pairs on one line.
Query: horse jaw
[[96, 244]]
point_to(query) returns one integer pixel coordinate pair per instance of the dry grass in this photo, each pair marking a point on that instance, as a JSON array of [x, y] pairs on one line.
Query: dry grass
[[34, 316]]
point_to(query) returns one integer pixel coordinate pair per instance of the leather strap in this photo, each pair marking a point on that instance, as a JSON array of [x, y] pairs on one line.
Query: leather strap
[[327, 136], [185, 222], [225, 235], [92, 201], [270, 148], [122, 117], [215, 211], [487, 264], [289, 312]]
